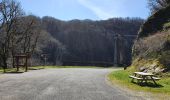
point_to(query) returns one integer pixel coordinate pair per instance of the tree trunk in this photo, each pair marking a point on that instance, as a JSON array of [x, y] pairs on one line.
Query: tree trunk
[[4, 63]]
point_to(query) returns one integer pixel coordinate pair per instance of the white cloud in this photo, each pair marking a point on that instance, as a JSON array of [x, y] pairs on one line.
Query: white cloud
[[100, 13]]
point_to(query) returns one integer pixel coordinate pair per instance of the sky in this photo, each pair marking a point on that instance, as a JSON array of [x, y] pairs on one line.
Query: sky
[[86, 9]]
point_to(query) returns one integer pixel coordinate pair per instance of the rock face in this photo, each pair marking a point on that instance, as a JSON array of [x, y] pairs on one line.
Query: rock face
[[153, 44], [152, 49], [152, 68], [155, 23]]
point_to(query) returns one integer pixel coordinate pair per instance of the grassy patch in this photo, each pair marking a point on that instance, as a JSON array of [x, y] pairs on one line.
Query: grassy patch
[[166, 25], [122, 77], [46, 67], [13, 70], [1, 70]]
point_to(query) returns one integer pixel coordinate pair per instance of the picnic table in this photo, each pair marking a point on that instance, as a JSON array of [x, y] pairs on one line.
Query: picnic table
[[144, 77]]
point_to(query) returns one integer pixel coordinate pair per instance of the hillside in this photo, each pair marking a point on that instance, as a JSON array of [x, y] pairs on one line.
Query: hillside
[[151, 51], [87, 42]]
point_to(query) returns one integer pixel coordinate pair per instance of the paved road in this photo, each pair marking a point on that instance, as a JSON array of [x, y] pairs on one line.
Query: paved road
[[61, 84]]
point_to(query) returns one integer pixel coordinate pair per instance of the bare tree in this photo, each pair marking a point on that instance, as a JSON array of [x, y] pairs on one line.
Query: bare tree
[[10, 11], [156, 5], [18, 33], [28, 29]]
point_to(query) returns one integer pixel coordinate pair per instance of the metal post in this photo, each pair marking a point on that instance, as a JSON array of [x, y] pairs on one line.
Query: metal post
[[115, 51], [121, 52]]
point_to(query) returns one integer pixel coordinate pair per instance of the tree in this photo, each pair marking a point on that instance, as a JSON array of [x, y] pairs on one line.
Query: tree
[[28, 31], [89, 42], [18, 33], [156, 5], [10, 11]]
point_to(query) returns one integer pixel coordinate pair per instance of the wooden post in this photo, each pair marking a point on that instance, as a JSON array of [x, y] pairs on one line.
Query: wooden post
[[26, 63], [17, 63], [24, 57], [13, 62]]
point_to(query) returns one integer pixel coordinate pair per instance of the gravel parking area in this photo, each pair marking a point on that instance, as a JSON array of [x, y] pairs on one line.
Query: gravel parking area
[[61, 84]]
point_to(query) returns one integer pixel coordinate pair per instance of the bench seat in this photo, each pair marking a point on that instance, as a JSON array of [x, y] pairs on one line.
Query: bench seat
[[155, 78], [134, 77]]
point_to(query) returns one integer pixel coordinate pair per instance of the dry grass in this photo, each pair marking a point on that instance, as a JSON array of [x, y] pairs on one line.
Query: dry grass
[[154, 43], [152, 49]]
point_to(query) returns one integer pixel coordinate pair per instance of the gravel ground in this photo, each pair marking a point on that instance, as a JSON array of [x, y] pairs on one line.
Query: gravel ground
[[61, 84]]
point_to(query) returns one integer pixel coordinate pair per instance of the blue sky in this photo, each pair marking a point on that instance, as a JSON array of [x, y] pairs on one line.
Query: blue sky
[[86, 9]]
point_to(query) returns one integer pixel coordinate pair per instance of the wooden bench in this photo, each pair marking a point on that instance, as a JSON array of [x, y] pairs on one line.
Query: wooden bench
[[134, 77], [155, 78], [141, 77]]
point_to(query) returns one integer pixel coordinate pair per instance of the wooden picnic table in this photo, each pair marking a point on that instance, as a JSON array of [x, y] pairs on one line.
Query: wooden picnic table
[[144, 77]]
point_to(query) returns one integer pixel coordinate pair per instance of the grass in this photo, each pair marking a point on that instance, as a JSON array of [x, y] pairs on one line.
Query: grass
[[13, 70], [122, 77], [167, 25], [46, 67]]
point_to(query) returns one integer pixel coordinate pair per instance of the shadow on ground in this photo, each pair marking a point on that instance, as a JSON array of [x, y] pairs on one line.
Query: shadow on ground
[[13, 72], [36, 68], [149, 84]]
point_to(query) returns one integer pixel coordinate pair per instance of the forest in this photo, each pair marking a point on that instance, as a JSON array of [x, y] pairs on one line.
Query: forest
[[51, 41], [119, 58], [87, 42]]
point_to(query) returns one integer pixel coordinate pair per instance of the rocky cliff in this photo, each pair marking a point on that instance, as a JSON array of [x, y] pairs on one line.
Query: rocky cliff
[[151, 51]]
